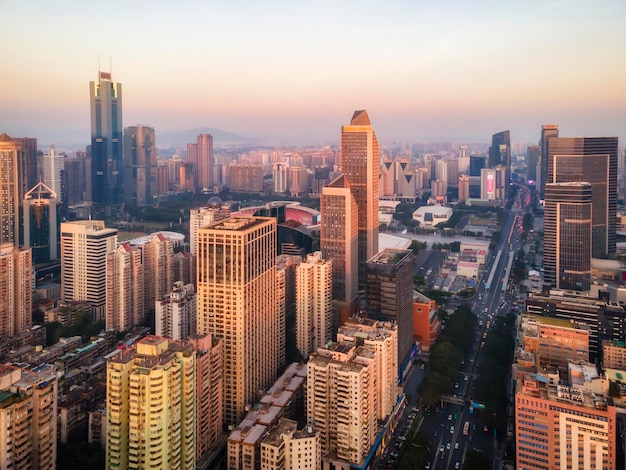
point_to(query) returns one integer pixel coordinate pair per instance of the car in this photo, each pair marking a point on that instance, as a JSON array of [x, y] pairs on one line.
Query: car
[[456, 385], [402, 438], [448, 446], [451, 429], [436, 433], [412, 416], [486, 428], [427, 466], [457, 466], [465, 378], [441, 448], [456, 445], [416, 409], [449, 417]]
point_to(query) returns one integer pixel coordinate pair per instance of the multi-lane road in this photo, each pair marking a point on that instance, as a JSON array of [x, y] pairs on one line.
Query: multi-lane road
[[446, 424]]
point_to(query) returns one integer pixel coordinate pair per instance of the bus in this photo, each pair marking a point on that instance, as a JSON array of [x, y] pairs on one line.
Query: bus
[[466, 428]]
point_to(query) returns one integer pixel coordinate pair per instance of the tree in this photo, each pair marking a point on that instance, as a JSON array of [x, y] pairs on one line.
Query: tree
[[476, 460]]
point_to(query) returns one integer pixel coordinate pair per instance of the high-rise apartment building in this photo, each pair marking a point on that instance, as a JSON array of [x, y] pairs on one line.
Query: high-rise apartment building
[[383, 338], [175, 314], [592, 160], [12, 154], [280, 172], [287, 448], [139, 165], [203, 216], [342, 400], [360, 166], [237, 303], [151, 406], [548, 131], [209, 391], [246, 177], [124, 288], [568, 235], [107, 165], [314, 308], [28, 417], [159, 261], [16, 286], [390, 293], [339, 243], [85, 245], [41, 223]]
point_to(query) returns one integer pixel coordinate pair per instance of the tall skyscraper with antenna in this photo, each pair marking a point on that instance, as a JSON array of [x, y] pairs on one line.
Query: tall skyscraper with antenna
[[107, 164]]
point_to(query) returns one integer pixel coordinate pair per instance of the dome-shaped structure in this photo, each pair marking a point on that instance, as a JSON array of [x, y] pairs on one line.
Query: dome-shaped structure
[[215, 202]]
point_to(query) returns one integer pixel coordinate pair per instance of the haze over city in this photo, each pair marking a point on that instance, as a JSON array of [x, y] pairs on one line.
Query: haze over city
[[290, 72]]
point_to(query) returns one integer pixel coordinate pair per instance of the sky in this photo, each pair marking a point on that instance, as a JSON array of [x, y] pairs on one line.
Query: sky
[[453, 70]]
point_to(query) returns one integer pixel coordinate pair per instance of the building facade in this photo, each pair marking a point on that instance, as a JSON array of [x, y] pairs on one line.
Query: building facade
[[151, 406], [107, 164], [314, 307], [41, 223], [175, 314], [359, 163], [593, 160], [237, 303], [12, 154], [28, 418], [568, 235], [16, 286], [390, 293], [85, 245], [339, 243], [124, 288], [202, 216], [139, 165]]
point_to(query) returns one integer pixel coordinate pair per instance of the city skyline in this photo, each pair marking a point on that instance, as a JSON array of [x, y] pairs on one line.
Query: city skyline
[[286, 73]]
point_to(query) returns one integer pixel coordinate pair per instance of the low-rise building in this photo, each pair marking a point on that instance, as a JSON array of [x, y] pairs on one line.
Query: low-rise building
[[426, 323]]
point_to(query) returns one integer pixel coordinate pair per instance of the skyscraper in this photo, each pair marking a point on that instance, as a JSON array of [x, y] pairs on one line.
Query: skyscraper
[[313, 303], [237, 302], [28, 417], [107, 164], [85, 245], [11, 156], [533, 159], [206, 163], [567, 235], [139, 165], [151, 406], [592, 160], [203, 216], [390, 293], [42, 218], [124, 288], [360, 165], [16, 286], [339, 242], [547, 132], [500, 150], [53, 167]]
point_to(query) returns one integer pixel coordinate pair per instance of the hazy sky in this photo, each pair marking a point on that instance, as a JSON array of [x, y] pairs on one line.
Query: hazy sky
[[292, 69]]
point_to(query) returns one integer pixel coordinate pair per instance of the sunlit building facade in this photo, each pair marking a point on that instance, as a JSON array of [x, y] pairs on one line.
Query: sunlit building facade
[[314, 307], [124, 288], [16, 286], [85, 245], [237, 303], [151, 406], [360, 166]]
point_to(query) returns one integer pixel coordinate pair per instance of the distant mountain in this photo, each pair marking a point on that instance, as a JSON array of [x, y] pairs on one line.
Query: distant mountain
[[183, 137]]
